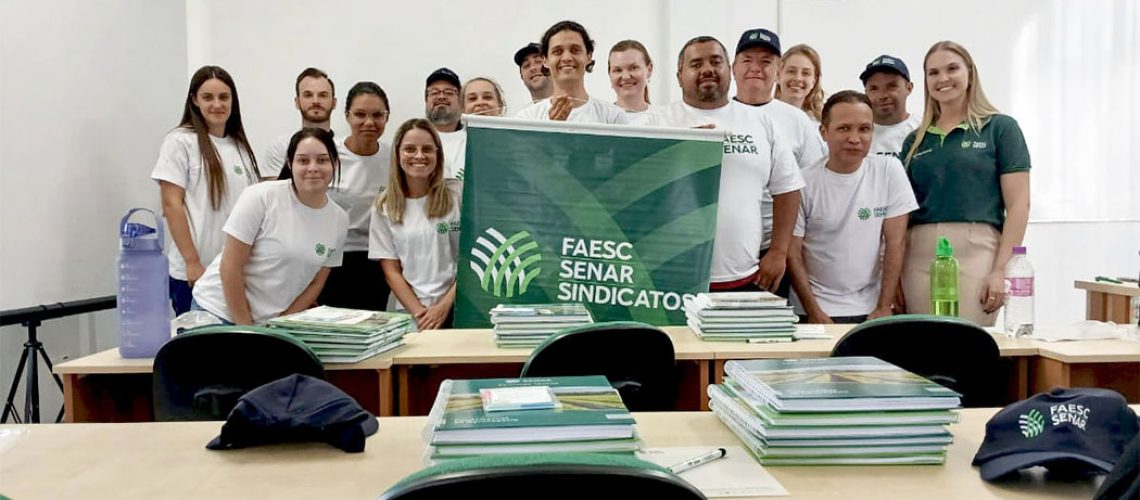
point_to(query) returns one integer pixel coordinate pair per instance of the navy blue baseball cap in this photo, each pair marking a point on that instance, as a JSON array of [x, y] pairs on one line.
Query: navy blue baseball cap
[[526, 51], [759, 37], [1079, 430], [885, 64], [293, 409], [446, 75]]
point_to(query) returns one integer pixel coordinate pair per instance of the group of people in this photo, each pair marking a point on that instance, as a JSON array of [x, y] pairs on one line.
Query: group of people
[[841, 199]]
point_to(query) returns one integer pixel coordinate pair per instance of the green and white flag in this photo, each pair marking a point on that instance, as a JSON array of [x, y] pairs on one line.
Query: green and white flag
[[618, 218]]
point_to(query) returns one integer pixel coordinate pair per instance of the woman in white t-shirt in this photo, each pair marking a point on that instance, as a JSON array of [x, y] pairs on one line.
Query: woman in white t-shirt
[[799, 85], [364, 161], [202, 167], [415, 227], [282, 239], [630, 69]]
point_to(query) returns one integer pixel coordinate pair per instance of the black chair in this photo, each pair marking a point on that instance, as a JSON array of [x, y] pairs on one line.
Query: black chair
[[953, 352], [637, 359], [529, 476], [200, 374]]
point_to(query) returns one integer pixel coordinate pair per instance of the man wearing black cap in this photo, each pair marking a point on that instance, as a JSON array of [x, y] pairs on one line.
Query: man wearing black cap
[[755, 69], [444, 107], [754, 162], [887, 83], [529, 60]]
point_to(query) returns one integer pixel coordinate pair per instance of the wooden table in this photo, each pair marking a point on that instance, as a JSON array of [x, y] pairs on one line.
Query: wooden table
[[1108, 301], [1112, 364], [169, 460], [430, 357], [105, 387]]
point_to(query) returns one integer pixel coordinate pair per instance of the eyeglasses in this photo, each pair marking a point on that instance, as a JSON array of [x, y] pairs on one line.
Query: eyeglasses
[[446, 92]]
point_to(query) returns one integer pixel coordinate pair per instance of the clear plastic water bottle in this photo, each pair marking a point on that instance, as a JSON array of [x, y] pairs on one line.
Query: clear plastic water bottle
[[1019, 295], [143, 299], [944, 280]]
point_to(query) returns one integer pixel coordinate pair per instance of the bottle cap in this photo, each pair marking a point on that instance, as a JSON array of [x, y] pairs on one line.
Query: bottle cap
[[1019, 250], [943, 249]]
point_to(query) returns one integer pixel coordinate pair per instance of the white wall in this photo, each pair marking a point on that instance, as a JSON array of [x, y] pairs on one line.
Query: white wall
[[87, 90]]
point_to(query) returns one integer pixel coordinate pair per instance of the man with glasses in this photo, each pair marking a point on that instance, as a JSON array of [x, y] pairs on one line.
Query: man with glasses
[[443, 108]]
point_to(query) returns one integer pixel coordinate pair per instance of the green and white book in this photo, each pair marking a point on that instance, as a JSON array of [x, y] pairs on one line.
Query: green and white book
[[915, 459], [334, 356], [838, 384], [335, 319], [625, 446], [748, 419], [772, 418], [539, 313], [738, 300], [590, 410]]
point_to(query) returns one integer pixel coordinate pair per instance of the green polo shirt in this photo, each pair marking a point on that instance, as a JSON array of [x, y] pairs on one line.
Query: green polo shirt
[[956, 175]]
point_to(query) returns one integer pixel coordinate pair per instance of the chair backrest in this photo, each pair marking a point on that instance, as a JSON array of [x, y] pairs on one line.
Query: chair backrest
[[527, 476], [637, 359], [953, 352], [200, 374]]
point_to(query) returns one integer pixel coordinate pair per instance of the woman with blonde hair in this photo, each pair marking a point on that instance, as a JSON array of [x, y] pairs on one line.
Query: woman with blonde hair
[[414, 231], [482, 96], [630, 68], [969, 167], [799, 85]]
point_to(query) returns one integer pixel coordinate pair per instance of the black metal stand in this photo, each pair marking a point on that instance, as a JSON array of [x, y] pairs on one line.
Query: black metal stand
[[33, 348]]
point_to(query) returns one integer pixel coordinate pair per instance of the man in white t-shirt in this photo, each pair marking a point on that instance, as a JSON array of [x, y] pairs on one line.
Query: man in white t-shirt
[[755, 69], [754, 161], [847, 252], [886, 81], [315, 99], [568, 54], [443, 102]]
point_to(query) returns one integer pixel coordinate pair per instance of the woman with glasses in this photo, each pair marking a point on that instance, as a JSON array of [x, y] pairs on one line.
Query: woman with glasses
[[364, 162]]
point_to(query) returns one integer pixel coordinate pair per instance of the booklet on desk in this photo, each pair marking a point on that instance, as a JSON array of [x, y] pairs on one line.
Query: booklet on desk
[[839, 384], [590, 410], [735, 475]]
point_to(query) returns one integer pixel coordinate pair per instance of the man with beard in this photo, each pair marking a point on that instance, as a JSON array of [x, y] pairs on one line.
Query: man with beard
[[529, 60], [755, 69], [315, 99], [887, 83], [754, 161], [568, 53], [444, 106]]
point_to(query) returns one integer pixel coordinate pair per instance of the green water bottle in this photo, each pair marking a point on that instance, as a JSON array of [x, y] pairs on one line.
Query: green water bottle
[[944, 280]]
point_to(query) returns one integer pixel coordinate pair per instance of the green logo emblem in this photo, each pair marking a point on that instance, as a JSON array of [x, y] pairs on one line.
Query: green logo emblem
[[459, 174], [864, 213], [441, 228], [321, 249], [753, 36], [511, 265], [1032, 424], [965, 144], [238, 170]]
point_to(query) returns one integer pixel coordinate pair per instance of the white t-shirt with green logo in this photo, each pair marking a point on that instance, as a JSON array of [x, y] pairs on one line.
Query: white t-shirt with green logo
[[180, 163], [841, 221], [888, 139], [362, 178], [754, 161], [291, 243], [593, 111], [427, 248], [454, 153]]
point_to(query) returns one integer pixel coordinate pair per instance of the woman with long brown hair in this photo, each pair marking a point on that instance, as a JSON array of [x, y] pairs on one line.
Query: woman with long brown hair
[[414, 231], [203, 165], [969, 167]]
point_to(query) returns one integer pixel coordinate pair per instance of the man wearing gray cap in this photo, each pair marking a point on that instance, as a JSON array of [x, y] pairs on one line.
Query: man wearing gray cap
[[444, 106]]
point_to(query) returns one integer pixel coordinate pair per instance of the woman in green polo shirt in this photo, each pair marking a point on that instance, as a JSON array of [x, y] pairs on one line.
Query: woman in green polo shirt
[[969, 167]]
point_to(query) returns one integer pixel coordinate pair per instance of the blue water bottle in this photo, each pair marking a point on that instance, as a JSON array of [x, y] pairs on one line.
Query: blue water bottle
[[143, 300]]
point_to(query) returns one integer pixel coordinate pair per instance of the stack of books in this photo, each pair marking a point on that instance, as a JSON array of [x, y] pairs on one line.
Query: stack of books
[[528, 325], [339, 335], [856, 410], [529, 415], [741, 317]]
